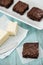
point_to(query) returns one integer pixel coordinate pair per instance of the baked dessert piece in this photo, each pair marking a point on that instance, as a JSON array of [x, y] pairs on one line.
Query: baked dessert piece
[[6, 3], [4, 35], [20, 7], [12, 28], [35, 14], [30, 50]]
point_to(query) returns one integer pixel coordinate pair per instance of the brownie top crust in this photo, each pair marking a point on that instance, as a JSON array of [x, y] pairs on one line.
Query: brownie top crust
[[20, 7], [6, 3], [35, 14], [30, 50]]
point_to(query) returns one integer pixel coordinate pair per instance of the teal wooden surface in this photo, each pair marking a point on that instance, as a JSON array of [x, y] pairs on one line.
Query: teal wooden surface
[[33, 35]]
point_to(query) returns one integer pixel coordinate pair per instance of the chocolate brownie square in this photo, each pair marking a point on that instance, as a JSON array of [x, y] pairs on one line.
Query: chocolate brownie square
[[20, 7], [30, 50], [35, 14], [6, 3]]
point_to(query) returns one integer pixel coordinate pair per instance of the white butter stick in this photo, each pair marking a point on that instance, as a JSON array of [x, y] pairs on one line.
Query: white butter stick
[[12, 28], [4, 35]]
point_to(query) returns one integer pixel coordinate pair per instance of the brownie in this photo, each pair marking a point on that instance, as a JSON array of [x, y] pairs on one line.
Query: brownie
[[35, 14], [30, 50], [6, 3], [20, 7]]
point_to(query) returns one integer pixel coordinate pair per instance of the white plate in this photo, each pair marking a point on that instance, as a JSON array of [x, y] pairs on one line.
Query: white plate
[[24, 18], [13, 41]]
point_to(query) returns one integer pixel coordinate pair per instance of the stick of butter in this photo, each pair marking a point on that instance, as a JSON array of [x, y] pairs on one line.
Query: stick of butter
[[12, 28], [4, 35]]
